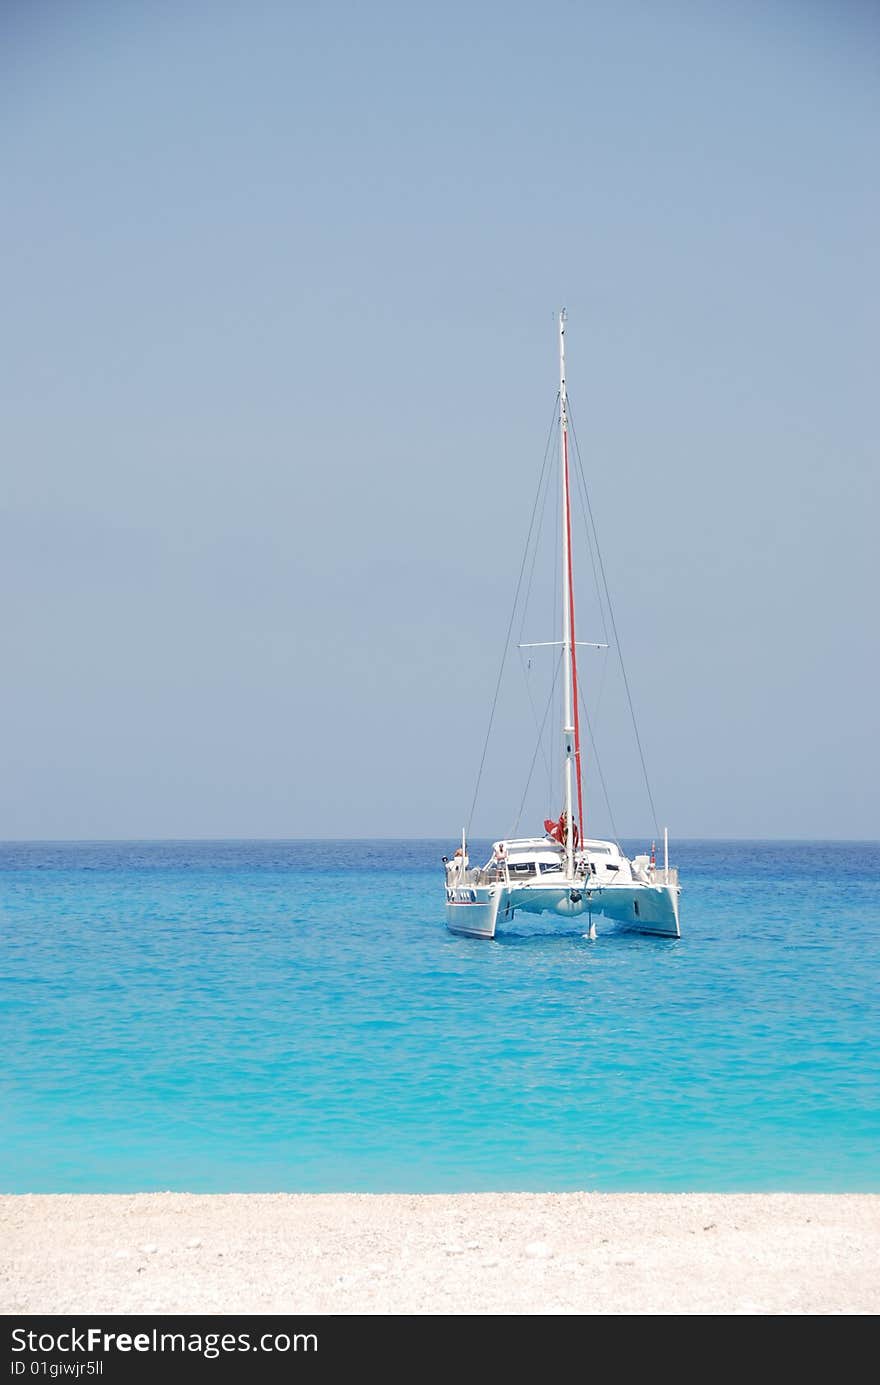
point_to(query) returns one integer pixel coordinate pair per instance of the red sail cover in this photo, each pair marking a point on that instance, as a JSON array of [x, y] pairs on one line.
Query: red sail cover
[[556, 830]]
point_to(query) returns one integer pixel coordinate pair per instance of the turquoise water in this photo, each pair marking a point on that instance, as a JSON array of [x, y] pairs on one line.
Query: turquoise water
[[294, 1016]]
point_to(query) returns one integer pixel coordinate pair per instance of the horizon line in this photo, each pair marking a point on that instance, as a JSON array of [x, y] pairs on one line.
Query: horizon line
[[625, 836]]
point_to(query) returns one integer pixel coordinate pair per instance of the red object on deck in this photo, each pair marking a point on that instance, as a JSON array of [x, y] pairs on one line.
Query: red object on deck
[[556, 830]]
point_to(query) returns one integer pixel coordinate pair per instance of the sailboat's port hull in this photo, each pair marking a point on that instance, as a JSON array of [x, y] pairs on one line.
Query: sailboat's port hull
[[478, 912], [472, 912]]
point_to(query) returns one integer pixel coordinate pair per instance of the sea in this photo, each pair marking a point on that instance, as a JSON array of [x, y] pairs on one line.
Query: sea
[[294, 1016]]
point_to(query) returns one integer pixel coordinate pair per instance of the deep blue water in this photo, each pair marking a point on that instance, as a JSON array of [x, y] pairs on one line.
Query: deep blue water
[[294, 1016]]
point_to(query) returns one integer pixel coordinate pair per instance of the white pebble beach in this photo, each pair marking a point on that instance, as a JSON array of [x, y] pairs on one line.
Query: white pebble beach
[[476, 1253]]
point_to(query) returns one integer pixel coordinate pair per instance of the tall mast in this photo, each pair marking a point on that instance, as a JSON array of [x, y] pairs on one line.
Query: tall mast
[[571, 719]]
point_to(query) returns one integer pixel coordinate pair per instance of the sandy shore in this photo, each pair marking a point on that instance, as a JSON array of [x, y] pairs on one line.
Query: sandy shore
[[496, 1253]]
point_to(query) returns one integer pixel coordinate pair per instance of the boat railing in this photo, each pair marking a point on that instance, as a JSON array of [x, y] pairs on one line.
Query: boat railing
[[667, 876], [486, 876], [477, 875], [491, 874]]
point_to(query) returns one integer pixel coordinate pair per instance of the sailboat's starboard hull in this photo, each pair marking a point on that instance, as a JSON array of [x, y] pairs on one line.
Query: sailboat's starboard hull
[[649, 909]]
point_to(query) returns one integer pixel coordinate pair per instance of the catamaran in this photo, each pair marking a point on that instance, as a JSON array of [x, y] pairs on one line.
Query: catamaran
[[563, 873]]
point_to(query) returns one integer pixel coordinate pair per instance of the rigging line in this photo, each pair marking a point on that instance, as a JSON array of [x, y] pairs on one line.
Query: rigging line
[[600, 689], [525, 664], [546, 487], [584, 499], [598, 764], [537, 747], [506, 643], [614, 628]]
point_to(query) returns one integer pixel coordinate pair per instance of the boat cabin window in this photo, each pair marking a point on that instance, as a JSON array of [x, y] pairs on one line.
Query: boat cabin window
[[530, 868]]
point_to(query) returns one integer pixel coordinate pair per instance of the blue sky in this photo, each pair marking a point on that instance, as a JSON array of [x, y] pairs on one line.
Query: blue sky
[[279, 288]]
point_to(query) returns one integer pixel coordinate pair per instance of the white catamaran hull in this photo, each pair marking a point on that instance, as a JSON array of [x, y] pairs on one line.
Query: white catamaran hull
[[476, 911], [473, 912]]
